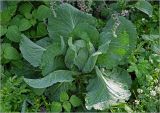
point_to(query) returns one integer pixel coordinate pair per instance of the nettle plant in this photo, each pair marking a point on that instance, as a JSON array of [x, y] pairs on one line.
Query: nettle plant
[[78, 50]]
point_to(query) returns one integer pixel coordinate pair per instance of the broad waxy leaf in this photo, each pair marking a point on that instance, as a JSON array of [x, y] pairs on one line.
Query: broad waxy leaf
[[88, 67], [49, 60], [107, 89], [67, 18], [71, 54], [145, 7], [31, 51], [50, 79], [116, 48], [86, 32]]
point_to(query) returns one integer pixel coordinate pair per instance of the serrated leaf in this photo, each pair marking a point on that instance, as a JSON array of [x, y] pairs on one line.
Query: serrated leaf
[[145, 7], [43, 12], [107, 89], [41, 29], [56, 107], [3, 30], [25, 8], [13, 33], [50, 79], [16, 20], [67, 106], [24, 24], [75, 101], [67, 18], [64, 97], [11, 53], [49, 60], [31, 51]]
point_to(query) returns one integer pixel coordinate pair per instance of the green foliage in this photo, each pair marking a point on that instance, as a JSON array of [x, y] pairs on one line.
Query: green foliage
[[76, 62], [145, 7], [75, 101]]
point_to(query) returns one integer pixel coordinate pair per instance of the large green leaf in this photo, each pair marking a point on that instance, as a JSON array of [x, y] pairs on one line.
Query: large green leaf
[[108, 88], [67, 18], [50, 79], [145, 7], [86, 32], [31, 51], [49, 60], [117, 49]]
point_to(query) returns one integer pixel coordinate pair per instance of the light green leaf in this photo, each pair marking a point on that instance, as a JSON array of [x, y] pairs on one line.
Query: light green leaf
[[11, 53], [88, 67], [119, 48], [13, 33], [145, 7], [50, 79], [67, 106], [67, 18], [81, 58], [56, 107], [43, 12], [75, 101], [107, 89], [24, 24], [64, 97], [49, 61], [86, 32], [31, 51]]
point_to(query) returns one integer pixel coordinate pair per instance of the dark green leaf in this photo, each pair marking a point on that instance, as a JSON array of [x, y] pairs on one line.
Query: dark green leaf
[[11, 53], [50, 79], [24, 24], [108, 88], [145, 7], [31, 51], [13, 33], [43, 12]]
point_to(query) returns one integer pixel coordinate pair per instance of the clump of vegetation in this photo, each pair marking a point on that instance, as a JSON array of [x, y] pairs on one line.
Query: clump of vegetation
[[77, 56]]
